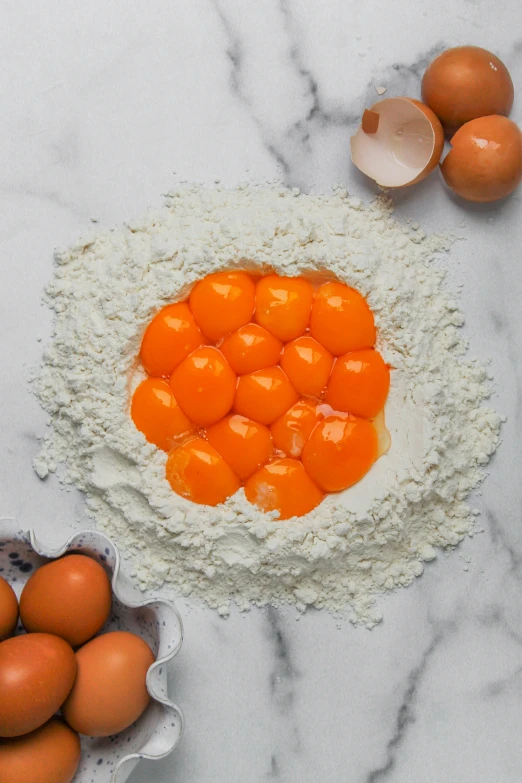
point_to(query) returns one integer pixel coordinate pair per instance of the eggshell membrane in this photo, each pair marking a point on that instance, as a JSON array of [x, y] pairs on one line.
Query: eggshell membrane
[[50, 754], [37, 672], [8, 609], [110, 691], [70, 597], [396, 159], [464, 83], [485, 162]]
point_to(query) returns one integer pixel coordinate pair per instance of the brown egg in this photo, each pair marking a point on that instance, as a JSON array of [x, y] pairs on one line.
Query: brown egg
[[8, 609], [485, 162], [50, 754], [70, 597], [464, 83], [37, 672], [110, 690]]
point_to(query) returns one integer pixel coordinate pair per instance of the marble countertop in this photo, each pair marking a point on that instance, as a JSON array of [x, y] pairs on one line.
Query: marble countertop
[[105, 106]]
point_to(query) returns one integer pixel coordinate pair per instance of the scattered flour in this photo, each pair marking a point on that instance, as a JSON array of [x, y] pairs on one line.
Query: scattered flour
[[371, 538]]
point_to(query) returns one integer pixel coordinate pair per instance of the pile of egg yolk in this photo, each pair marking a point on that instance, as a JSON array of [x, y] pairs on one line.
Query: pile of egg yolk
[[268, 383]]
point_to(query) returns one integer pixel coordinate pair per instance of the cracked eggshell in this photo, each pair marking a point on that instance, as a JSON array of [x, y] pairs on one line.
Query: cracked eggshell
[[399, 142], [485, 162]]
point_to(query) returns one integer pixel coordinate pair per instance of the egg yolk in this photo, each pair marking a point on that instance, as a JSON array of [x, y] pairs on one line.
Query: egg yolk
[[264, 395], [341, 319], [223, 302], [156, 413], [204, 386], [169, 338], [243, 443], [197, 472], [359, 384], [251, 348], [266, 383], [340, 451], [283, 305], [292, 430], [283, 486], [308, 365]]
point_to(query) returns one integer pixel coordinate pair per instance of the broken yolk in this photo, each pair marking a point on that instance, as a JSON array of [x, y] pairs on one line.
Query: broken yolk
[[223, 302], [169, 338], [283, 486], [308, 365], [264, 395], [340, 451], [156, 413], [197, 472], [292, 430], [283, 305], [359, 384], [341, 319], [266, 383], [251, 348], [204, 385], [243, 443]]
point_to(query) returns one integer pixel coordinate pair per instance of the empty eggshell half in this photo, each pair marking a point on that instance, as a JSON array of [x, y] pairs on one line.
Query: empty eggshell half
[[398, 143]]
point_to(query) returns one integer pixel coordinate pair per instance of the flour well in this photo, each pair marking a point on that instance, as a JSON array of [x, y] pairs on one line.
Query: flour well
[[369, 539]]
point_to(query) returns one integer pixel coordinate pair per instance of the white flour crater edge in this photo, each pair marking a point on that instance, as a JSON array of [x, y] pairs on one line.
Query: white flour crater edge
[[370, 539]]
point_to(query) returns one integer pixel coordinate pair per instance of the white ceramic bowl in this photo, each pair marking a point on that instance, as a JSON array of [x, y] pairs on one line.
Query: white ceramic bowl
[[157, 732]]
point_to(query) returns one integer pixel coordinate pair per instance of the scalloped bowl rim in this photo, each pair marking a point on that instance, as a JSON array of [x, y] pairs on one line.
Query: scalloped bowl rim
[[54, 552]]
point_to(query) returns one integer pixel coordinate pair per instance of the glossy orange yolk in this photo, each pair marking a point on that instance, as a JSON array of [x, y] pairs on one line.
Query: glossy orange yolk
[[264, 382], [340, 450], [341, 319], [359, 384], [170, 337], [197, 472], [251, 348], [264, 395], [156, 413], [292, 430], [308, 365], [243, 443], [283, 305], [283, 486], [223, 302], [204, 386]]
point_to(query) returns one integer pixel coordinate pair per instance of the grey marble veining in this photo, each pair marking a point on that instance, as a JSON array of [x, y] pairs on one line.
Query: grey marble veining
[[107, 106]]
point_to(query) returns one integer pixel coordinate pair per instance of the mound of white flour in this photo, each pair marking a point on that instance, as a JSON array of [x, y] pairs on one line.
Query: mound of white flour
[[371, 538]]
